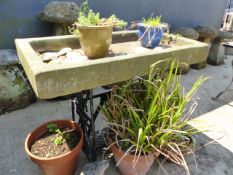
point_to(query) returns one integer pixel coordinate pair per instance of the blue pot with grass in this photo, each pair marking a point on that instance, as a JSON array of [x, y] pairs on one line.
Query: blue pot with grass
[[151, 31], [150, 36]]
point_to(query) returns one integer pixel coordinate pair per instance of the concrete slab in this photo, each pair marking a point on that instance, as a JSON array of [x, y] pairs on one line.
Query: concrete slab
[[211, 159]]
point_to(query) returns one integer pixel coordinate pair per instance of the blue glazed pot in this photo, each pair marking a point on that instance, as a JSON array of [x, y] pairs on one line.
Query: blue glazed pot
[[150, 36]]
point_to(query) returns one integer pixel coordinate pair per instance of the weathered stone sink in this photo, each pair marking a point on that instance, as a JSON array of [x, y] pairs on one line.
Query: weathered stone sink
[[127, 59]]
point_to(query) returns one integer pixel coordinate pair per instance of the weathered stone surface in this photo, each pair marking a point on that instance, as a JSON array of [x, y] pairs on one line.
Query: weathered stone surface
[[225, 35], [61, 29], [184, 69], [15, 93], [207, 32], [216, 53], [53, 80], [206, 35], [228, 48], [187, 33], [96, 168], [200, 65], [8, 57], [60, 12]]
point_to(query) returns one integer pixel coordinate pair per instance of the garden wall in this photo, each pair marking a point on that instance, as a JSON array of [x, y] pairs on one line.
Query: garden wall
[[18, 17]]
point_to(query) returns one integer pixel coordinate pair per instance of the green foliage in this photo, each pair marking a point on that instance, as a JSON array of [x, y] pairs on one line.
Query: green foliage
[[60, 137], [59, 140], [152, 21], [53, 128], [170, 38], [150, 114], [89, 18]]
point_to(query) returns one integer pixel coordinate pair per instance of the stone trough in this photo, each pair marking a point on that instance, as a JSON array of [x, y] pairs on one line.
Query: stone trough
[[126, 59]]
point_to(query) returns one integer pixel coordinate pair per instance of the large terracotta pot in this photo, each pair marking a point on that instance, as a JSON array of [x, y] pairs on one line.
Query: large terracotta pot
[[95, 40], [126, 165], [60, 165]]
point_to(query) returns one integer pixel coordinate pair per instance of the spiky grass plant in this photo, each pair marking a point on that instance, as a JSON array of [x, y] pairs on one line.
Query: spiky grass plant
[[152, 21], [150, 114]]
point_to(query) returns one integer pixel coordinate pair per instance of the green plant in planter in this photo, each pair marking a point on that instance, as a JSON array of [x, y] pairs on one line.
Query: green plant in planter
[[95, 33], [61, 137], [152, 21], [89, 18], [148, 115], [151, 31]]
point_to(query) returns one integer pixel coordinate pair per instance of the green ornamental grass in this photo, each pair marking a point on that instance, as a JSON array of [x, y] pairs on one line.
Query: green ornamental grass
[[152, 21], [150, 114]]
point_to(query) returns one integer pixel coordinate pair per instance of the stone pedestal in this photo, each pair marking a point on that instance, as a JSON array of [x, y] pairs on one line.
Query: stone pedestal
[[216, 53], [206, 35]]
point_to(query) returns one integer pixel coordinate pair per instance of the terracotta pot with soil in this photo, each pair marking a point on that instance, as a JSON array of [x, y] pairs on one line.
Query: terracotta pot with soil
[[50, 152], [126, 163]]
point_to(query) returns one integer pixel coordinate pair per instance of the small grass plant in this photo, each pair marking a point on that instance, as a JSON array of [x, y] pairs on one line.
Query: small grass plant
[[150, 114], [152, 21]]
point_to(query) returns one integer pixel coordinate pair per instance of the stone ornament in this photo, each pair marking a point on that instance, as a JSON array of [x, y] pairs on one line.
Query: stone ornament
[[216, 53], [187, 33], [207, 32], [59, 12]]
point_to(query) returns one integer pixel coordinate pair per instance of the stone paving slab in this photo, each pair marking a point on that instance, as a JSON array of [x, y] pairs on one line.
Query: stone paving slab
[[212, 159]]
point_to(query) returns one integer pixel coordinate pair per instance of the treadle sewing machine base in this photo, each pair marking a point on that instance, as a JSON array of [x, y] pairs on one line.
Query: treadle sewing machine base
[[92, 143]]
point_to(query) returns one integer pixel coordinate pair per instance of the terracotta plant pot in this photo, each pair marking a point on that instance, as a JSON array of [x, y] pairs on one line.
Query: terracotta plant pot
[[126, 165], [95, 40], [60, 165]]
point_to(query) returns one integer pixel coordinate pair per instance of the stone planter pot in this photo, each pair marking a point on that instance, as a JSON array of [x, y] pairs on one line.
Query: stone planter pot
[[95, 40], [61, 165], [126, 164]]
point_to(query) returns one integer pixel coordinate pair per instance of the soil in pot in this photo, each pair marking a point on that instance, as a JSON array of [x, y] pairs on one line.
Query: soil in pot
[[45, 147]]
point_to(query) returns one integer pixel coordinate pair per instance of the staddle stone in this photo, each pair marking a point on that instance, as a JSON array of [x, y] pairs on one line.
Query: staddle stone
[[206, 35], [216, 53], [207, 32], [60, 12], [187, 32]]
